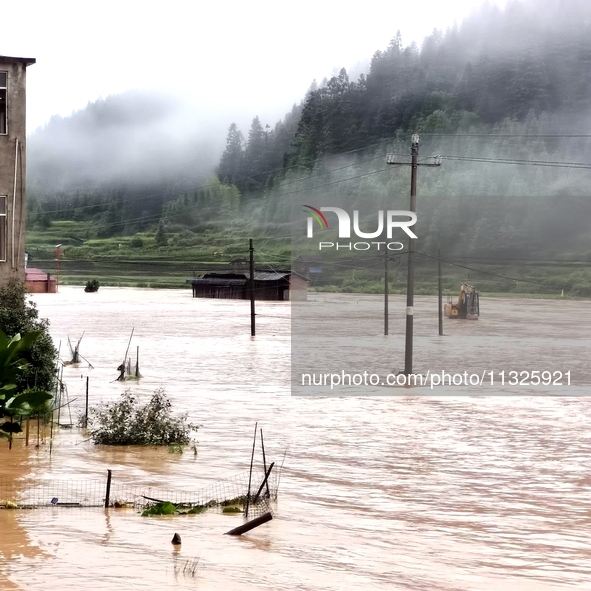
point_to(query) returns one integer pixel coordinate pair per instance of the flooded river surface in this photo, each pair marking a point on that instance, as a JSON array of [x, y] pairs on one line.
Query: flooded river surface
[[379, 492]]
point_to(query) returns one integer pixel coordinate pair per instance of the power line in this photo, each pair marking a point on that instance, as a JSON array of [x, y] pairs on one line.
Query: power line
[[211, 185], [508, 161], [156, 217], [526, 259], [379, 157], [551, 163], [492, 274], [399, 139], [518, 135]]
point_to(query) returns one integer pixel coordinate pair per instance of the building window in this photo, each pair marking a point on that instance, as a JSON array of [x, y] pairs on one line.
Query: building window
[[2, 229], [3, 109]]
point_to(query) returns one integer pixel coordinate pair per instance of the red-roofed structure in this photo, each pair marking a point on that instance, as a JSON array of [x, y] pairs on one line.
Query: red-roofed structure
[[38, 281]]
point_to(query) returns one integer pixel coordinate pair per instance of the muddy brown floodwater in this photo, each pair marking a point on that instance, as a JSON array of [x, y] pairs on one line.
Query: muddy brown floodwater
[[384, 493]]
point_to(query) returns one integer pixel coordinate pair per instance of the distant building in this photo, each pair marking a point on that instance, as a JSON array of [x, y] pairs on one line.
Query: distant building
[[236, 286], [37, 281], [12, 166]]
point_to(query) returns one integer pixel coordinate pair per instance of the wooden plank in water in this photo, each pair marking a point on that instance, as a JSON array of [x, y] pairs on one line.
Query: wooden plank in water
[[237, 531]]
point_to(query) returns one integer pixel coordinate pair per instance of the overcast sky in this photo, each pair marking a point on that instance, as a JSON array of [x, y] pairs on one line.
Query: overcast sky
[[231, 60]]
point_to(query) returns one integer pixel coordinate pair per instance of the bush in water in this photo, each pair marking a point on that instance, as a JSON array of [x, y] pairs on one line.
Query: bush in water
[[128, 422]]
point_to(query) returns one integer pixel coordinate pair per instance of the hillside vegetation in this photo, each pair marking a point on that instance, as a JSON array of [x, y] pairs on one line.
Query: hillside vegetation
[[504, 97]]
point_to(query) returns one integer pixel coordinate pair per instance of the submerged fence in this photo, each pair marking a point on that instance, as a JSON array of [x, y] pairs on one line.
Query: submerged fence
[[110, 492]]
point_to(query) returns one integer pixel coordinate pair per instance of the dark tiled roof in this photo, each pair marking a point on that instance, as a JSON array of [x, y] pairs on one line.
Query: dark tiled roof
[[17, 60]]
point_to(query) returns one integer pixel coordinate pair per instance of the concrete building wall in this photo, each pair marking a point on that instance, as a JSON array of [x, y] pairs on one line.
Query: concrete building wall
[[298, 289], [12, 166], [47, 286]]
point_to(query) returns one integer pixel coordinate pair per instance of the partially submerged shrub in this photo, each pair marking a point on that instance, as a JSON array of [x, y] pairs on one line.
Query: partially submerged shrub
[[166, 508], [127, 422], [161, 508], [92, 286]]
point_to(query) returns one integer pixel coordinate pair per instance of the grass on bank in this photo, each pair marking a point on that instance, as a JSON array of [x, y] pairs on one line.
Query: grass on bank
[[138, 261]]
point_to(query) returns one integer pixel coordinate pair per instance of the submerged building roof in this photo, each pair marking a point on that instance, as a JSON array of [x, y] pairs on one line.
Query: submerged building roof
[[270, 276], [237, 278], [32, 274]]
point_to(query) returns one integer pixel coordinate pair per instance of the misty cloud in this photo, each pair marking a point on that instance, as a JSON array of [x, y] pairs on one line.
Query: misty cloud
[[132, 138]]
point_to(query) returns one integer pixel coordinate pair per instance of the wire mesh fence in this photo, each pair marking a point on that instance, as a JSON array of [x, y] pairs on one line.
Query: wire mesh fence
[[111, 492]]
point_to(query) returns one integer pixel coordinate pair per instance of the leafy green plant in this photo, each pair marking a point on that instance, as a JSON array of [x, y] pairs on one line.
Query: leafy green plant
[[162, 508], [128, 422], [14, 401], [20, 316], [166, 508], [194, 510], [240, 500]]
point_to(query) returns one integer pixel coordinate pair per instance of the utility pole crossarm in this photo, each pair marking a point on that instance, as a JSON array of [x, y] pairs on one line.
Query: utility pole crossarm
[[391, 159]]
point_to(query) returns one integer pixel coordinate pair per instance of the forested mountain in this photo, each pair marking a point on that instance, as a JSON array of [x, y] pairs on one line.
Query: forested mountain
[[116, 162], [249, 164], [529, 59], [504, 97]]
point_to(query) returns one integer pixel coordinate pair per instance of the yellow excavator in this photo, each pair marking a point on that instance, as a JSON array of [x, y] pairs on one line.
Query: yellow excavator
[[467, 306]]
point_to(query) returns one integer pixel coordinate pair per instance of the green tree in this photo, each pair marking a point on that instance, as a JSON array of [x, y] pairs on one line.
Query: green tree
[[231, 162], [18, 315], [161, 238], [255, 157]]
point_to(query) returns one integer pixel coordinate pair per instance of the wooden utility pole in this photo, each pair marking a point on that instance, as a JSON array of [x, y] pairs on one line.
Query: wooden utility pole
[[410, 282], [410, 279], [252, 312], [386, 294], [440, 293]]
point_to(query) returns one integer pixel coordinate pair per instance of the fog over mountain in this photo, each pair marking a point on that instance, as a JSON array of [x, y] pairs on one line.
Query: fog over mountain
[[132, 139], [527, 62], [501, 96]]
